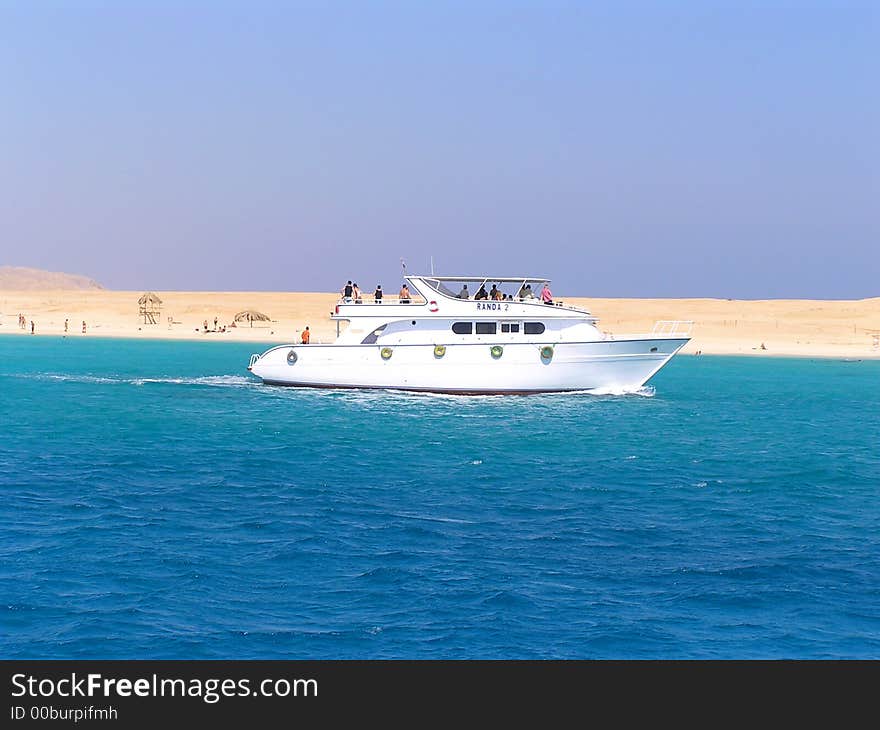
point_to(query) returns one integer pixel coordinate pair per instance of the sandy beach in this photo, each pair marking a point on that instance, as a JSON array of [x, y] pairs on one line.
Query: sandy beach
[[803, 328]]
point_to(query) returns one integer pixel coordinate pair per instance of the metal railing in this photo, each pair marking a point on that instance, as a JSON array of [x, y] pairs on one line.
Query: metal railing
[[673, 328]]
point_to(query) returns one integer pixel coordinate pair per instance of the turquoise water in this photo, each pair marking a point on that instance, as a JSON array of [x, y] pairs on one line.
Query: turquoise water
[[157, 503]]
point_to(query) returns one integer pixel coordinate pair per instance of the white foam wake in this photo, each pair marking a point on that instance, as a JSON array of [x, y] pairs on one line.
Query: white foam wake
[[223, 381], [646, 391]]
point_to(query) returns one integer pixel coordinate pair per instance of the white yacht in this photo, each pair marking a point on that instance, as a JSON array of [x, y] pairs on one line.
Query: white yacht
[[441, 342]]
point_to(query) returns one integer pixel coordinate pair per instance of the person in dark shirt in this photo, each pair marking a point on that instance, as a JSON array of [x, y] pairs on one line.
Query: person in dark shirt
[[347, 291], [377, 295], [481, 292]]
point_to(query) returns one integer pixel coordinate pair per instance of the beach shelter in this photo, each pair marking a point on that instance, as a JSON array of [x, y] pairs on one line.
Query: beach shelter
[[251, 315], [149, 307]]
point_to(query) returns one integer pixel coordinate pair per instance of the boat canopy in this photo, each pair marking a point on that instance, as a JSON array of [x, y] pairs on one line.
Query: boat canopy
[[451, 285]]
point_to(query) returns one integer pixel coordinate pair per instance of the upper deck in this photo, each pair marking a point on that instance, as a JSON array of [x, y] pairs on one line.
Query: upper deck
[[436, 296]]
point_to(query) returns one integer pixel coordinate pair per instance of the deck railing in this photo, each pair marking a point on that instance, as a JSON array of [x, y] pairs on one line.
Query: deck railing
[[673, 328]]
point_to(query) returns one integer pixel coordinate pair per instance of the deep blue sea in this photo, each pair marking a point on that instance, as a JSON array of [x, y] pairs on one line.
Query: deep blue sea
[[158, 503]]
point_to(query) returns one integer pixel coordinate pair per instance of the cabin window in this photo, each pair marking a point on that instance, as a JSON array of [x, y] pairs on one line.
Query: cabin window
[[463, 328], [510, 326], [486, 328], [373, 336], [534, 328]]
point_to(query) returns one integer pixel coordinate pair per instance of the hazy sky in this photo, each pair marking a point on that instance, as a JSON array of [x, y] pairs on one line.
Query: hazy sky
[[619, 148]]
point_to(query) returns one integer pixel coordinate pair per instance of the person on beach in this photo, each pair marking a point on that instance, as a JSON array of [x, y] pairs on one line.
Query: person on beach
[[84, 326], [65, 326], [464, 293], [206, 325], [404, 295], [215, 324], [305, 336], [32, 326], [356, 293], [347, 291], [546, 296], [377, 295]]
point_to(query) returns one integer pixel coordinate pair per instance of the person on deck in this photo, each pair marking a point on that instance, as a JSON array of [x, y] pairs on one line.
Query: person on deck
[[404, 295], [481, 292], [347, 291], [377, 295], [305, 336], [464, 293], [546, 296], [356, 293]]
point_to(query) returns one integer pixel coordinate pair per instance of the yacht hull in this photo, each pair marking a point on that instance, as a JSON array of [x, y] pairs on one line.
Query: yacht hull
[[471, 369]]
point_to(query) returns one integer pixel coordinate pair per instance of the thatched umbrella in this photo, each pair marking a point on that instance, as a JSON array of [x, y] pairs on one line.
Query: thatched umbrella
[[251, 315], [149, 298], [149, 307]]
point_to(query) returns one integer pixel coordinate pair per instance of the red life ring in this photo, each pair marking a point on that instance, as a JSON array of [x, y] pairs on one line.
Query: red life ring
[[432, 306]]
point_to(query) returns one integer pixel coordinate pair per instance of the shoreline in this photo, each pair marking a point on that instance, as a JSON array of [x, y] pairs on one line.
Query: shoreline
[[268, 344], [837, 329]]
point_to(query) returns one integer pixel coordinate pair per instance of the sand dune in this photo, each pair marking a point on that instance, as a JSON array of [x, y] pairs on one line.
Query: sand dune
[[808, 328], [23, 278]]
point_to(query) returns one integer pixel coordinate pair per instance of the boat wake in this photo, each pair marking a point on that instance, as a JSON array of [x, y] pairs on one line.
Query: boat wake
[[235, 381], [646, 391], [222, 381]]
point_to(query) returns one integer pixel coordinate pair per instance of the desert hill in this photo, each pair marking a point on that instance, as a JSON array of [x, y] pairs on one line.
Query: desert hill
[[20, 278]]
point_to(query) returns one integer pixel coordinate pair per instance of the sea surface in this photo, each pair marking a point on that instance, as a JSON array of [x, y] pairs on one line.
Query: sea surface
[[156, 502]]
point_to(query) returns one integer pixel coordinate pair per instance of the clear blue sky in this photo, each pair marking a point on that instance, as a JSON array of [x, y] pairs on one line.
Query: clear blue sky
[[620, 148]]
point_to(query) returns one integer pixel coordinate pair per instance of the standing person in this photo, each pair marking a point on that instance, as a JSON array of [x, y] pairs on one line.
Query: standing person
[[347, 291], [546, 296], [84, 326], [32, 326], [65, 326], [206, 325], [464, 293], [493, 293], [215, 324], [305, 336], [356, 293], [404, 295], [377, 295]]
